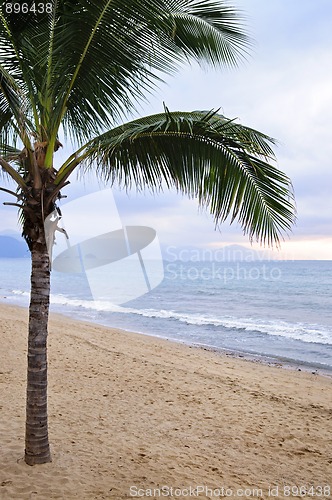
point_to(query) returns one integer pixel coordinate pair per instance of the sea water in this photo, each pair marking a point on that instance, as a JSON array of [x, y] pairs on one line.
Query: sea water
[[276, 309]]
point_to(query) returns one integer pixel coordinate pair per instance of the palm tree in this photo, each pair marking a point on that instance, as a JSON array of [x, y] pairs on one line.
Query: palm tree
[[79, 66]]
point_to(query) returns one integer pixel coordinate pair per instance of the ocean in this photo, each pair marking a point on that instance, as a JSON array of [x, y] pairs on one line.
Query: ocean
[[277, 310]]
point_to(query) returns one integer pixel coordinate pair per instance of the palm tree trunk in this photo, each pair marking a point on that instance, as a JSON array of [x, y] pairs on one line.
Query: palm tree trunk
[[37, 450]]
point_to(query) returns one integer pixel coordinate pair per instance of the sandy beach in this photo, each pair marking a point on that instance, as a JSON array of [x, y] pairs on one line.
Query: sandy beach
[[135, 416]]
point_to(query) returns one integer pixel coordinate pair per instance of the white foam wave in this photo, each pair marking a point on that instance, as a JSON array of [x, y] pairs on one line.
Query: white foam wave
[[20, 292], [311, 333], [306, 332]]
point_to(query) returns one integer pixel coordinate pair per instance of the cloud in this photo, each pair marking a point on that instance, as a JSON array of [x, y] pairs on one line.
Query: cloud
[[284, 90]]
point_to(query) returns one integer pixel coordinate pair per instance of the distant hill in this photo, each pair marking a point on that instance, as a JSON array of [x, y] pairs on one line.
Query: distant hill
[[13, 248]]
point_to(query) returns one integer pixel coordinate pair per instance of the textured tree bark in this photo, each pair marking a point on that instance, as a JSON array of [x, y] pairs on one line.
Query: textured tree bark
[[37, 450]]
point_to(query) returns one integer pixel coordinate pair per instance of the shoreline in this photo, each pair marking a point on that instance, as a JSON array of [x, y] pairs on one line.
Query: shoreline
[[128, 410], [255, 357], [269, 360]]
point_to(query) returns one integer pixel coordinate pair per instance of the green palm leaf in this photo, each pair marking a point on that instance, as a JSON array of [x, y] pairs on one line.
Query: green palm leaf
[[227, 166], [89, 73], [209, 32]]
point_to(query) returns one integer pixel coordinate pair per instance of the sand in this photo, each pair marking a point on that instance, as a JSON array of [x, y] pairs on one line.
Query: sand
[[129, 414]]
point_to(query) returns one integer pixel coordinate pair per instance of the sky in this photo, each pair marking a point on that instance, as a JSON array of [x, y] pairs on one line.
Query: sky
[[284, 89]]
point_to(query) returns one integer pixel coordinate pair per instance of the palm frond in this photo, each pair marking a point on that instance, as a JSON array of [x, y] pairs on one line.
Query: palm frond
[[211, 32], [10, 98], [86, 63], [17, 70], [8, 170], [9, 152], [227, 166]]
